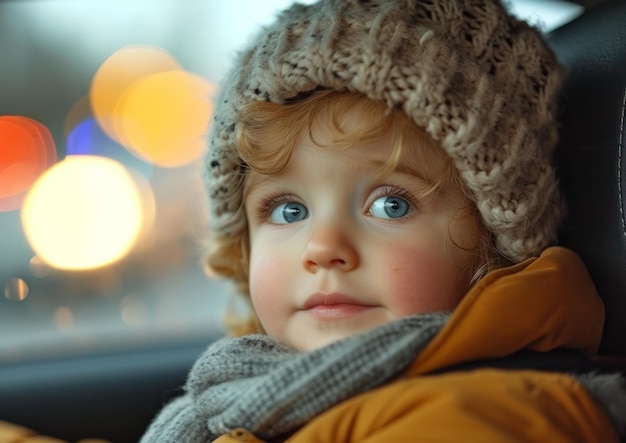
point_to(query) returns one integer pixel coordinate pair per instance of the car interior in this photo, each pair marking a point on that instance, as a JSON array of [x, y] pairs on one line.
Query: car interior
[[112, 394]]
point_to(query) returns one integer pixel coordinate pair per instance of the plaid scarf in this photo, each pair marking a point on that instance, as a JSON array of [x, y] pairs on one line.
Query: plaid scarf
[[256, 383]]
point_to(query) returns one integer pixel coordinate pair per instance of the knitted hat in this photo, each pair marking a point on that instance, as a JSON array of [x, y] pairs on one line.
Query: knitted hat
[[481, 83]]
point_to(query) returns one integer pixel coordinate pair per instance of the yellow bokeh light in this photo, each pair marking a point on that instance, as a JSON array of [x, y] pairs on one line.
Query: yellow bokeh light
[[117, 73], [163, 117], [143, 100], [84, 213]]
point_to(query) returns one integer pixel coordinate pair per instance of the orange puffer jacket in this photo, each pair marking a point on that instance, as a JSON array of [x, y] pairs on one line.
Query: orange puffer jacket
[[541, 304], [12, 433]]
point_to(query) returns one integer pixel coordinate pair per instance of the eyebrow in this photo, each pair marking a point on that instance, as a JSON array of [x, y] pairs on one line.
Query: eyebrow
[[254, 179], [399, 169]]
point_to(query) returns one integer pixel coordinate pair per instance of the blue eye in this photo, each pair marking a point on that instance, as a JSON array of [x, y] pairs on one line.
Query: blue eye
[[389, 207], [289, 212]]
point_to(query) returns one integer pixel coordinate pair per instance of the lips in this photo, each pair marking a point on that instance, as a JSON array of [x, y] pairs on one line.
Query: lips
[[333, 306]]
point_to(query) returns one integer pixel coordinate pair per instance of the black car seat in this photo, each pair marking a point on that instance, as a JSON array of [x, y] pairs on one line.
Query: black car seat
[[592, 156]]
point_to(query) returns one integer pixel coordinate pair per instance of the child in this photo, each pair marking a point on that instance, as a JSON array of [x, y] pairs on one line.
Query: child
[[382, 190]]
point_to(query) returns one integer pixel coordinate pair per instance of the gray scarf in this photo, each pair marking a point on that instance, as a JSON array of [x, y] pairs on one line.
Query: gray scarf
[[271, 390]]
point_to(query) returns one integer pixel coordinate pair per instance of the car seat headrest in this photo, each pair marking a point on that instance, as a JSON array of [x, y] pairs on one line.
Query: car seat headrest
[[591, 156]]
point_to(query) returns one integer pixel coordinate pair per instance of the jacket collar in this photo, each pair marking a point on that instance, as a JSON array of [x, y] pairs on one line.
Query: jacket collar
[[540, 304]]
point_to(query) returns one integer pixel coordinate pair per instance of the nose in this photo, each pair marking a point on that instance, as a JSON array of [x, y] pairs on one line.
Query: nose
[[330, 247]]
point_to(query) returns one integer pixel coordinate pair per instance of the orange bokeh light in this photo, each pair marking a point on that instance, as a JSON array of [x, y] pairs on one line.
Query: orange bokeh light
[[163, 118], [143, 100], [117, 73], [26, 150]]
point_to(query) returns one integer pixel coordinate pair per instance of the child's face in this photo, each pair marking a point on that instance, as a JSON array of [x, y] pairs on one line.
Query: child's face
[[336, 249]]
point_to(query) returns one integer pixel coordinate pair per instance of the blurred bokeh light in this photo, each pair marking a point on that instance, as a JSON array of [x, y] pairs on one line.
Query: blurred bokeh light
[[85, 212], [38, 268], [143, 100], [63, 318], [163, 118], [88, 138], [26, 150], [16, 290], [124, 67]]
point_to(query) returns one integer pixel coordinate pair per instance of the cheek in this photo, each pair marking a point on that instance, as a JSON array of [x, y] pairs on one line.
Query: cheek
[[419, 280], [266, 278]]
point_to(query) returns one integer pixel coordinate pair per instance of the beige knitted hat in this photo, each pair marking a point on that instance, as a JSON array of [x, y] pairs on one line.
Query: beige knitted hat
[[480, 82]]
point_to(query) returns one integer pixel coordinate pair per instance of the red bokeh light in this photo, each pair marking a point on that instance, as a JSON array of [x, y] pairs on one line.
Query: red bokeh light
[[26, 150]]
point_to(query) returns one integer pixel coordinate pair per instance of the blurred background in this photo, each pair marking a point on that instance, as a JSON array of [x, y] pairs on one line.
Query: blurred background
[[104, 107]]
